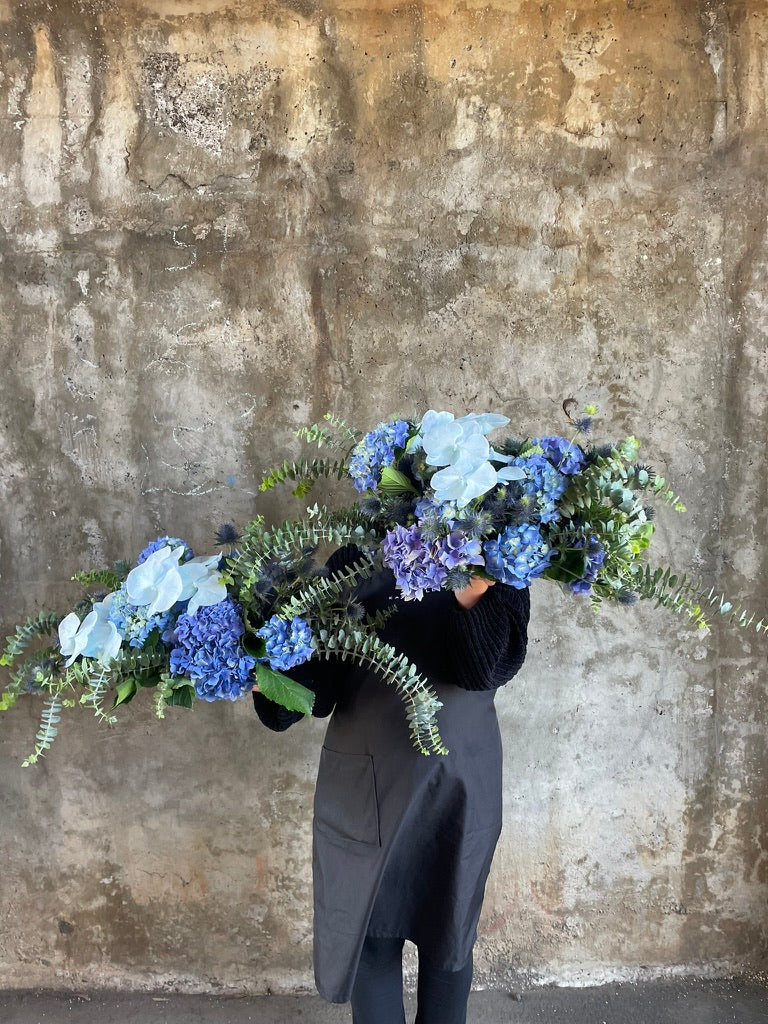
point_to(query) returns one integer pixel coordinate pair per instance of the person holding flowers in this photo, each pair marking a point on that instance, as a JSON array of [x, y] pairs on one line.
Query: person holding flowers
[[402, 843]]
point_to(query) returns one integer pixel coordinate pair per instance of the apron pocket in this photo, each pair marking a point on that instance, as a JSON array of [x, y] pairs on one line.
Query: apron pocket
[[345, 797]]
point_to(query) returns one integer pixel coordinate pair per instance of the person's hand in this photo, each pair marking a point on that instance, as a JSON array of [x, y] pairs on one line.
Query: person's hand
[[470, 595]]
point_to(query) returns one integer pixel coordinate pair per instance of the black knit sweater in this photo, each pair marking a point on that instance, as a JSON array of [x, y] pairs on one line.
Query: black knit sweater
[[478, 648]]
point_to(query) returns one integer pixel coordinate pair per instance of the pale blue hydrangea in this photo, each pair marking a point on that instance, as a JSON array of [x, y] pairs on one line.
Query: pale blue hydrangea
[[564, 455], [133, 621], [593, 559], [375, 452], [542, 485]]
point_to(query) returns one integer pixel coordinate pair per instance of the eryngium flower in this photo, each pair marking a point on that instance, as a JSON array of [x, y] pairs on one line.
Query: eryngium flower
[[374, 452], [517, 555], [288, 643], [208, 650]]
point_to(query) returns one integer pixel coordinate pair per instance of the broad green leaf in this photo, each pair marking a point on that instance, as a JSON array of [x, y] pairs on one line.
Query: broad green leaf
[[125, 692], [394, 482], [182, 696], [284, 691]]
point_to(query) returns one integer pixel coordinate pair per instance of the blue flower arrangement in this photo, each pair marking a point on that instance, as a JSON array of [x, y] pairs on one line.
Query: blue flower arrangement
[[436, 503]]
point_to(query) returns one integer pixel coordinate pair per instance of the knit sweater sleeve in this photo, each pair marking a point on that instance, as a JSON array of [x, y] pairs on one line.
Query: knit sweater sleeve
[[489, 641], [323, 676], [477, 648]]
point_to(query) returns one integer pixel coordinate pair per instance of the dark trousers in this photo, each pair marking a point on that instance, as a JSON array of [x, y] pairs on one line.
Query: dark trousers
[[377, 995]]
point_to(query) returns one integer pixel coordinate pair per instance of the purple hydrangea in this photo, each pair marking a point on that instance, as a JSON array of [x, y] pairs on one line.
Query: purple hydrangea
[[132, 621], [543, 484], [375, 452], [208, 650], [594, 557], [564, 455], [164, 542], [456, 551], [413, 562], [517, 555], [288, 643]]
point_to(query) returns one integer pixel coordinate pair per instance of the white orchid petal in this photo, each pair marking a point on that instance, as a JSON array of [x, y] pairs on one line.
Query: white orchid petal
[[68, 628], [486, 421], [166, 593], [511, 473]]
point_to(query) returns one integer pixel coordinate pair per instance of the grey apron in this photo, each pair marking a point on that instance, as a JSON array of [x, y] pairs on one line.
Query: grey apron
[[402, 842]]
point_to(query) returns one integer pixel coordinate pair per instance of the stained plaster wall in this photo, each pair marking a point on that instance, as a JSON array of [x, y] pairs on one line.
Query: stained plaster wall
[[220, 220]]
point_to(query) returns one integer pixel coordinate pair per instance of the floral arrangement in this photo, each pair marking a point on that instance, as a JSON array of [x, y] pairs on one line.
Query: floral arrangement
[[448, 505], [210, 627], [437, 505]]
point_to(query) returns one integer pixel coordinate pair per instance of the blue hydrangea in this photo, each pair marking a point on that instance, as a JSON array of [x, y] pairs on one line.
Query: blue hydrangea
[[163, 542], [593, 560], [375, 452], [564, 455], [133, 622], [429, 510], [517, 555], [208, 650], [543, 485], [413, 562], [288, 643]]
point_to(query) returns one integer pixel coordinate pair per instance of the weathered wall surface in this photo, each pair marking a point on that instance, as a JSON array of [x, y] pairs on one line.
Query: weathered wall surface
[[220, 220]]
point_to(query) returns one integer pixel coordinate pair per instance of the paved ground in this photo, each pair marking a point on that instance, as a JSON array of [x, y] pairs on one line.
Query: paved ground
[[687, 1001]]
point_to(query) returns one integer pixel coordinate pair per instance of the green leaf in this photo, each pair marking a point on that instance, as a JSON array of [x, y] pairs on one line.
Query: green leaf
[[181, 697], [394, 482], [254, 645], [568, 567], [284, 691], [125, 692]]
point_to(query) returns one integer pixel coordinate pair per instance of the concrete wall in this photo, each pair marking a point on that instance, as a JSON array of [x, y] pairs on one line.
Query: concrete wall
[[218, 221]]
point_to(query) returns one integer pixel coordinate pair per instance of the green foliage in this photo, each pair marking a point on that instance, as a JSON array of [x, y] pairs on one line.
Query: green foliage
[[304, 472], [46, 734], [283, 690], [325, 595], [338, 434], [421, 701], [680, 593], [35, 626], [108, 578], [287, 542]]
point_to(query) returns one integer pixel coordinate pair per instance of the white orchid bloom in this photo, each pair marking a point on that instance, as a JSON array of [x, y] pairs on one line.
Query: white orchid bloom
[[94, 637], [461, 447], [160, 581], [203, 583]]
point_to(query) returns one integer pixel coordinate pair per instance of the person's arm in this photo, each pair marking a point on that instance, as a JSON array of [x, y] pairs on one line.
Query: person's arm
[[323, 676], [475, 639], [489, 638]]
